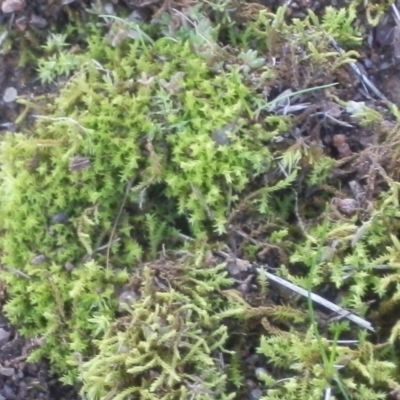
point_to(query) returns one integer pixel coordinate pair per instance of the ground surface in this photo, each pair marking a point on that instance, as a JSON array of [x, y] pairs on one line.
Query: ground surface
[[21, 380]]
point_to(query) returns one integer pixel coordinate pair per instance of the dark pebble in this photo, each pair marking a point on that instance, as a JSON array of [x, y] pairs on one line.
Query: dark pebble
[[39, 259], [4, 336], [127, 297], [59, 218], [8, 393], [7, 371], [384, 35], [255, 394], [38, 22]]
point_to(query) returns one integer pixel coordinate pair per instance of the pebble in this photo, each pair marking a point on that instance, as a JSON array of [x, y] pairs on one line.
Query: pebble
[[236, 266], [69, 266], [10, 6], [59, 218], [10, 94], [4, 336], [7, 371], [340, 142], [253, 359], [9, 393], [367, 63], [347, 206], [39, 259], [255, 394], [38, 22], [127, 297], [221, 135]]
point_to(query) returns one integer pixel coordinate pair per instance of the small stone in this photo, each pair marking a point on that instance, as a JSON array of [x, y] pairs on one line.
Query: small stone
[[221, 135], [367, 63], [69, 266], [340, 142], [39, 259], [244, 288], [253, 359], [347, 206], [38, 22], [9, 393], [4, 336], [127, 297], [236, 266], [10, 6], [255, 394], [7, 371], [10, 94], [59, 218]]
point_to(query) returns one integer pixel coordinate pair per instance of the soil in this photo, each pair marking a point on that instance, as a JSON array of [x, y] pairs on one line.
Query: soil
[[22, 380]]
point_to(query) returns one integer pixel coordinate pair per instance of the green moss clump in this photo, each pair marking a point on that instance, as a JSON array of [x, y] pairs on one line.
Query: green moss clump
[[170, 344], [151, 138], [104, 178]]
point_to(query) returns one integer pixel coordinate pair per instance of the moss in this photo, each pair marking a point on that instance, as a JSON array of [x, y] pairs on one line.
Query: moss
[[172, 133], [127, 131], [170, 344]]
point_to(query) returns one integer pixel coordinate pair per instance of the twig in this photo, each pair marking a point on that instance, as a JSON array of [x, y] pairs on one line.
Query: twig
[[314, 297], [288, 95], [360, 74], [17, 272], [318, 299], [110, 241], [396, 15]]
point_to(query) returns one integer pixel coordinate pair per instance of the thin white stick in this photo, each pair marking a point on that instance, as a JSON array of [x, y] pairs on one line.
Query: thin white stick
[[318, 299], [328, 393], [396, 15], [360, 74]]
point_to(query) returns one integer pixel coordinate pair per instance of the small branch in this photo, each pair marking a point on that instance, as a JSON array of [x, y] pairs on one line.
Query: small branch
[[360, 74], [318, 299], [121, 208]]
